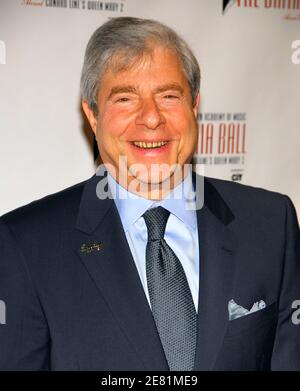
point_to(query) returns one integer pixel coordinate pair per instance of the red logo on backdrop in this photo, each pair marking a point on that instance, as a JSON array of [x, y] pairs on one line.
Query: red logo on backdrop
[[267, 4], [222, 141], [38, 3], [90, 5]]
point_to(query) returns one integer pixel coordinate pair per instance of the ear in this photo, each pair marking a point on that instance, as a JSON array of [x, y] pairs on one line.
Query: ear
[[90, 115], [196, 105]]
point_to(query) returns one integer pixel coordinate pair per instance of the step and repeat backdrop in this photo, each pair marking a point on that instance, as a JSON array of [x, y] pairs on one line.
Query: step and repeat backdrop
[[249, 123]]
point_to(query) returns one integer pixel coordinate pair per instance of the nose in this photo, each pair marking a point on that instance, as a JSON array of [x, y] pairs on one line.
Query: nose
[[149, 114]]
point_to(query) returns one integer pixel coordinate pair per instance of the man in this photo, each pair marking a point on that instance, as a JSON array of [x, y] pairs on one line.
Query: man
[[139, 275]]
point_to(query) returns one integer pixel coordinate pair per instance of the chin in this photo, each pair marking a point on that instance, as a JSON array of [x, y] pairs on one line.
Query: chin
[[157, 176]]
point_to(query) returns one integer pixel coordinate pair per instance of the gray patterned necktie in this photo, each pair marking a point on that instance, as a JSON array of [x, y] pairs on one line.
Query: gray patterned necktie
[[170, 296]]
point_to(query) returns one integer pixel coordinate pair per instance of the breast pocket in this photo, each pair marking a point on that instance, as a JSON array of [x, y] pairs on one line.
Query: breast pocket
[[253, 322], [249, 341]]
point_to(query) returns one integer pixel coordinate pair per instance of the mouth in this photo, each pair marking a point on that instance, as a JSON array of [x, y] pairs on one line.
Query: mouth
[[149, 145]]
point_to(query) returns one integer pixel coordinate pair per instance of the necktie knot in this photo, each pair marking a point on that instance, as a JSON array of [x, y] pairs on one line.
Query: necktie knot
[[156, 221]]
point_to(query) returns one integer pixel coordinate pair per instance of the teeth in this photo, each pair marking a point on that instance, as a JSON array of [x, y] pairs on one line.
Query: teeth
[[142, 144]]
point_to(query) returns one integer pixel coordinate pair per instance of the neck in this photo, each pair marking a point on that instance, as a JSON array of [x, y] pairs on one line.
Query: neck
[[152, 190]]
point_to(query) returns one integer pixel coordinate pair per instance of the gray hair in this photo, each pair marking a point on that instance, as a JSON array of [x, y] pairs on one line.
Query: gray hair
[[120, 41]]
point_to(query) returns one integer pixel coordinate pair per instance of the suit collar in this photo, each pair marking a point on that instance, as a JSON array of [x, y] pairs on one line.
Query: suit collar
[[207, 196], [92, 209]]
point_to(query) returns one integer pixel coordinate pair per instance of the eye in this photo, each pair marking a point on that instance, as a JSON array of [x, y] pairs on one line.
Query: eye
[[123, 99], [170, 96]]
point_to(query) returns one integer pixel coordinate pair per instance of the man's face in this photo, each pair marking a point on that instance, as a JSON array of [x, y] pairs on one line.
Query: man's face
[[148, 103]]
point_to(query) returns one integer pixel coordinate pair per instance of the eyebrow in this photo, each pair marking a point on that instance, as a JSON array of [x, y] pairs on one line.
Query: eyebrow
[[133, 90], [121, 89], [169, 86]]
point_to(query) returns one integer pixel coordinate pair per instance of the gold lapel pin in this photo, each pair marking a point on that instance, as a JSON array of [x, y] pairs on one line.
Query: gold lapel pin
[[88, 248]]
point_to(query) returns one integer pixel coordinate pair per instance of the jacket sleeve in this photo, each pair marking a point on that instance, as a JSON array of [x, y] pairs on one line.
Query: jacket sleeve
[[286, 352], [24, 335]]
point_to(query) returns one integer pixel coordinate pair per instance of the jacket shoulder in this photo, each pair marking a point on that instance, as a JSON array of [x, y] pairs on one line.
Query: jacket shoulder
[[250, 200], [50, 208], [236, 188]]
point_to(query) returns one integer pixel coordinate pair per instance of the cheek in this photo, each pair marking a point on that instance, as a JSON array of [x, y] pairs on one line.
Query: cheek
[[115, 122], [182, 123]]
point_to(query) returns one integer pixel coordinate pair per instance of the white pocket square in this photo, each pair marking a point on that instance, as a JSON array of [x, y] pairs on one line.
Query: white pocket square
[[236, 311]]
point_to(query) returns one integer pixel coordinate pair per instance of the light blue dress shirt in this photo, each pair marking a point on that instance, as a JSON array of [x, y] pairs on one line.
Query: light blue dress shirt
[[181, 232]]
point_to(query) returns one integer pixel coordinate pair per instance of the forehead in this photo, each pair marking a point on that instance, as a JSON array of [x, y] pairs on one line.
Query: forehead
[[157, 64]]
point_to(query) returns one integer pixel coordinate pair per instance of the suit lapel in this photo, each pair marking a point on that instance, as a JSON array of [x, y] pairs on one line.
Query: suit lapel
[[113, 270], [216, 277]]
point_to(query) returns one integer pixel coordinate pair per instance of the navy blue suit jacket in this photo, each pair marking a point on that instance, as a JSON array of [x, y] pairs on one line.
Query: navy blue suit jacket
[[72, 309]]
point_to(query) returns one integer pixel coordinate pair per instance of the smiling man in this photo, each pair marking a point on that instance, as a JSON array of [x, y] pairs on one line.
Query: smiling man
[[146, 108], [147, 265]]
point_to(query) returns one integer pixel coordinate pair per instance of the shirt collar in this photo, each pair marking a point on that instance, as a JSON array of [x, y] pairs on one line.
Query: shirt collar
[[178, 202]]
